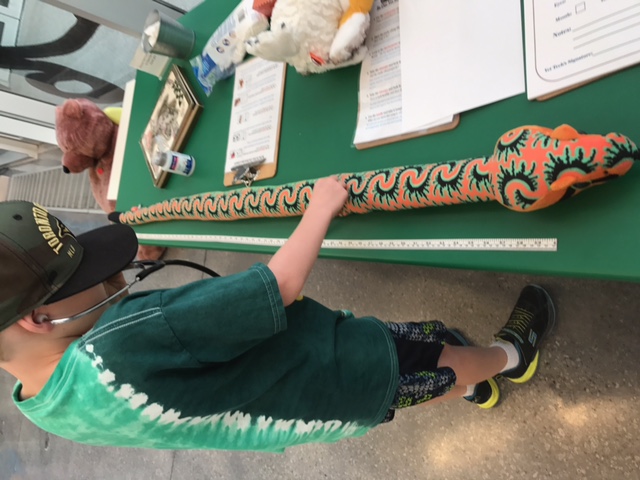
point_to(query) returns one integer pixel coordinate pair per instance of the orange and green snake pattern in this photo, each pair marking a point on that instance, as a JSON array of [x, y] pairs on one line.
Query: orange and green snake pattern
[[531, 168]]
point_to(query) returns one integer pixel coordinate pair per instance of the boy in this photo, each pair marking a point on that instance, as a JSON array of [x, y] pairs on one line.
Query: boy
[[238, 362]]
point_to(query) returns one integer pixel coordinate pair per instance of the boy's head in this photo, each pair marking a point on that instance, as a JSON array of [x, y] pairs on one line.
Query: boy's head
[[42, 262]]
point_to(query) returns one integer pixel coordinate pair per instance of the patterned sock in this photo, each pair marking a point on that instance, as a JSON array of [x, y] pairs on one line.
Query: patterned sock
[[513, 358]]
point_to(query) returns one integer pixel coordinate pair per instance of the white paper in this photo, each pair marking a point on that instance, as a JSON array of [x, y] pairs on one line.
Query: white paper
[[255, 113], [380, 92], [572, 41], [458, 55]]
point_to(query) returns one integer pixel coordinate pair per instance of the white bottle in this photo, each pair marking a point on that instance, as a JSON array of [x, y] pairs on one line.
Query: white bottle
[[174, 162]]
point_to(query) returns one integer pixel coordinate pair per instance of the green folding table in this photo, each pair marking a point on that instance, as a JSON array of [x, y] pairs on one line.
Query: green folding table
[[597, 232]]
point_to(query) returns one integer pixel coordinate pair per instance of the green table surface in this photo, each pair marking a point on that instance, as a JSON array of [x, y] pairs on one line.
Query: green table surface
[[598, 232]]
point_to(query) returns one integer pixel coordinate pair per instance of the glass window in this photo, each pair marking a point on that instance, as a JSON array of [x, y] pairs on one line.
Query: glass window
[[49, 54], [181, 5]]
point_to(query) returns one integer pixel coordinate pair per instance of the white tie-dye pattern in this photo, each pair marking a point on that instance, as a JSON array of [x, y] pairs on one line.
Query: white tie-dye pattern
[[215, 418], [230, 419], [332, 425], [170, 416], [284, 425], [126, 391], [304, 428], [139, 399], [244, 421], [116, 419], [181, 420], [263, 423], [106, 377], [197, 420], [153, 411], [350, 429]]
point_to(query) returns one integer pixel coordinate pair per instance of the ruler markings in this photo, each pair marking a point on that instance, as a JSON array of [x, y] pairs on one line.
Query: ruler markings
[[479, 244]]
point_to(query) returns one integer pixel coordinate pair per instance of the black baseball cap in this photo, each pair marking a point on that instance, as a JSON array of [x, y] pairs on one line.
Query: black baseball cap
[[42, 262]]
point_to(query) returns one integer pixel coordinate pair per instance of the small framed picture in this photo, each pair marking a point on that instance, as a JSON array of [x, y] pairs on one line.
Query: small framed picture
[[171, 121]]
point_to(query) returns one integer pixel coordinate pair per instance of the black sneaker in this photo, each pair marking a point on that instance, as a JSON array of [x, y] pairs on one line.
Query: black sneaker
[[532, 319], [487, 393]]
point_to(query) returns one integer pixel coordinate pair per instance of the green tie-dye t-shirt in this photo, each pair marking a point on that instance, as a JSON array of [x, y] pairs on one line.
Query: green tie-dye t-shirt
[[219, 364]]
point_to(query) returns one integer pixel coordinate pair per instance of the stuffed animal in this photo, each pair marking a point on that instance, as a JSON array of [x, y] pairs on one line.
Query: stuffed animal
[[87, 137], [531, 168], [313, 35]]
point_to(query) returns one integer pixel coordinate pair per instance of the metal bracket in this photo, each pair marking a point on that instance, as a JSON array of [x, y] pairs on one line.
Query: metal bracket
[[248, 172]]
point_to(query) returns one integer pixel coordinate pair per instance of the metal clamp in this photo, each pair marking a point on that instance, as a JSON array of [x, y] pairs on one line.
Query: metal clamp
[[248, 172]]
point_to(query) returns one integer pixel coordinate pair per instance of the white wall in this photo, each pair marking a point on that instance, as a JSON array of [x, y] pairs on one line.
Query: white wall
[[26, 127], [4, 187]]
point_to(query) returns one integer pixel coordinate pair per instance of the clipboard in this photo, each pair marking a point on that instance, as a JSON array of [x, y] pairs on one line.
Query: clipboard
[[379, 119], [550, 95], [407, 136], [571, 44], [255, 121]]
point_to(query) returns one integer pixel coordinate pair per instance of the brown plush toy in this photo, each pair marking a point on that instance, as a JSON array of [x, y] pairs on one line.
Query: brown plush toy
[[87, 137]]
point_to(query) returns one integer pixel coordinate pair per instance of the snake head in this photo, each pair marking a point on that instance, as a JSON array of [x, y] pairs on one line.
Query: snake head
[[538, 167]]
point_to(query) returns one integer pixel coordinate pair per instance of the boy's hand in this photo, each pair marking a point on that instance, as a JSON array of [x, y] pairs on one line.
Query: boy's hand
[[329, 194]]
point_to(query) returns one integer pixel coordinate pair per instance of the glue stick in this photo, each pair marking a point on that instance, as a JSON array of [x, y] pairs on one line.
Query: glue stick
[[174, 162]]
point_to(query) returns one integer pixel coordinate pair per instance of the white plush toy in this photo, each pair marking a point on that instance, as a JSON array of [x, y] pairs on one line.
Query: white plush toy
[[314, 35]]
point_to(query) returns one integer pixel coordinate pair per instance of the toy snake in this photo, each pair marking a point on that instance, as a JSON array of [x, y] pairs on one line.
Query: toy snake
[[531, 168]]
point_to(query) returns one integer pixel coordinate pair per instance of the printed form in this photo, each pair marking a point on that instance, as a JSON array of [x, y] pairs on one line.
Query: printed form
[[380, 93], [570, 42], [254, 130]]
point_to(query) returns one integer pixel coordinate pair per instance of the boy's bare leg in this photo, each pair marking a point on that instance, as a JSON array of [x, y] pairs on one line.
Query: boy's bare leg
[[533, 317], [473, 364]]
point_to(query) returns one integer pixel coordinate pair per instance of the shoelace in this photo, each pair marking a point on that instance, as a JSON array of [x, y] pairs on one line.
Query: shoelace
[[519, 320]]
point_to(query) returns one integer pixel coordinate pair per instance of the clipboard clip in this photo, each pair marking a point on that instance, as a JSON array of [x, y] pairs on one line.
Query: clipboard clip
[[248, 172]]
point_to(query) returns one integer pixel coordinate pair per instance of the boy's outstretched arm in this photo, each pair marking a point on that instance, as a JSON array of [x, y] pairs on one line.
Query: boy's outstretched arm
[[292, 263]]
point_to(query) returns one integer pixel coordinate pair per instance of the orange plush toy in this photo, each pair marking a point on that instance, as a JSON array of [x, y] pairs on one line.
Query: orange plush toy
[[531, 168], [87, 137]]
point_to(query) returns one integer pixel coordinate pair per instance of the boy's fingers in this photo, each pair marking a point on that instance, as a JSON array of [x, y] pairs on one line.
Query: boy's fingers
[[338, 180]]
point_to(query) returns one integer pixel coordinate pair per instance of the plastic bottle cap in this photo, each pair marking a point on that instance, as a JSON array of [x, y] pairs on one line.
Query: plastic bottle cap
[[158, 159]]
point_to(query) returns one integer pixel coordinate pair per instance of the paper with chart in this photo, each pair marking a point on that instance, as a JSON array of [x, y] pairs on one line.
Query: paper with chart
[[570, 42], [380, 92], [458, 55], [254, 130]]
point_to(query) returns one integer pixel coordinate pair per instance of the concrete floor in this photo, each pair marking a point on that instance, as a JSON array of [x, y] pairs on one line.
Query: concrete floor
[[577, 419]]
